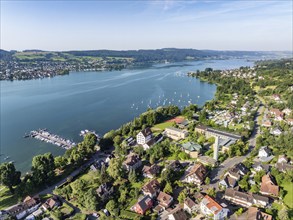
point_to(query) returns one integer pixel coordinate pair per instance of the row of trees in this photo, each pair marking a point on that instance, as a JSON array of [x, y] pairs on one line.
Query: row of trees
[[43, 167]]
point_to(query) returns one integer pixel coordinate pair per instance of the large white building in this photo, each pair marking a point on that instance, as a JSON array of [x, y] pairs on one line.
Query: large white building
[[210, 207], [145, 138]]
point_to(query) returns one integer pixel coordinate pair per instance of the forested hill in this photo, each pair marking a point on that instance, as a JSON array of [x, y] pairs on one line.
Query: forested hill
[[158, 55]]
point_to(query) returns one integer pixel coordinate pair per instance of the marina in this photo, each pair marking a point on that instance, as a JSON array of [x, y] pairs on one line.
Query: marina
[[46, 136]]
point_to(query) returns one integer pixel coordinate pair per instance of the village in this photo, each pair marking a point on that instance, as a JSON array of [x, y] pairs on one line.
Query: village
[[197, 164]]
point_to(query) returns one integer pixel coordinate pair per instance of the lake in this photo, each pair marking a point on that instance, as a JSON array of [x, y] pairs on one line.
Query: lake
[[98, 101]]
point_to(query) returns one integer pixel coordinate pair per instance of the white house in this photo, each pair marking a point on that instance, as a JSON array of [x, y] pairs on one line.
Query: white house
[[144, 136], [189, 205], [276, 131], [195, 174], [264, 151], [210, 207]]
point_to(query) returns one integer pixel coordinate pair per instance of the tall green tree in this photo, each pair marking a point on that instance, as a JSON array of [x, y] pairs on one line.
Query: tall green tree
[[115, 169], [43, 168], [132, 176], [9, 176], [168, 188]]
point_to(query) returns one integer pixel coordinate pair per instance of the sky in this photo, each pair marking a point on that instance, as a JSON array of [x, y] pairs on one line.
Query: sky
[[261, 25]]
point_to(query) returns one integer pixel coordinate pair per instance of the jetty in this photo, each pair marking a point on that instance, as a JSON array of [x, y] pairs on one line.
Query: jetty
[[46, 136]]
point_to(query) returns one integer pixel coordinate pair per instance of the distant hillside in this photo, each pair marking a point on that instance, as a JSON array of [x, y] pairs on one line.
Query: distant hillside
[[138, 56]]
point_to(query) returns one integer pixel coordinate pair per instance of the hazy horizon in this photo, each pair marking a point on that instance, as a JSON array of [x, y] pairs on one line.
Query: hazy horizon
[[37, 49], [131, 25]]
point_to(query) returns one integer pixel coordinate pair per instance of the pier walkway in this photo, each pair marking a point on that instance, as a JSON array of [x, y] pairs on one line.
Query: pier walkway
[[44, 135]]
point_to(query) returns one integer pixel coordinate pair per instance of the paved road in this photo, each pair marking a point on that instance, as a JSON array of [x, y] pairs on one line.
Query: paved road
[[217, 173]]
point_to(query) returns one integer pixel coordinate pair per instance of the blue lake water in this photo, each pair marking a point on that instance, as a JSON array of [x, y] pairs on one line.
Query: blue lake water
[[93, 100]]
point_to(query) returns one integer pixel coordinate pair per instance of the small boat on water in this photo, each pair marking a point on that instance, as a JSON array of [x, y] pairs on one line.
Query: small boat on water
[[6, 158]]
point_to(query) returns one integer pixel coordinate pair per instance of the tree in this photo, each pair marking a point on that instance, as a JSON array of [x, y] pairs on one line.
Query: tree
[[43, 168], [117, 140], [9, 176], [258, 176], [207, 181], [90, 200], [211, 192], [90, 140], [60, 162], [115, 168], [111, 207], [132, 176], [239, 211], [244, 183], [168, 188], [254, 188], [182, 196]]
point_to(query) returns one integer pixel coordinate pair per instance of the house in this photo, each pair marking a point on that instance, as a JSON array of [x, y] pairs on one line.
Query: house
[[210, 207], [276, 97], [264, 151], [182, 124], [105, 191], [228, 182], [244, 199], [175, 133], [287, 111], [132, 162], [276, 131], [264, 154], [267, 123], [51, 203], [164, 200], [192, 149], [28, 206], [241, 169], [284, 167], [256, 214], [175, 165], [277, 114], [282, 159], [195, 174], [145, 138], [289, 121], [150, 171], [177, 214], [189, 205], [268, 187], [152, 188], [258, 166], [143, 205]]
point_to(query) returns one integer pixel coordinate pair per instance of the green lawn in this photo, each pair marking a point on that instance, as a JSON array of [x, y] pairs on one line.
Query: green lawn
[[6, 198], [163, 125], [288, 199], [66, 209]]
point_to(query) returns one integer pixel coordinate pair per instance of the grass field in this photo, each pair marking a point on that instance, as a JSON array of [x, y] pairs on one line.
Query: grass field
[[163, 125], [288, 199], [6, 198]]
